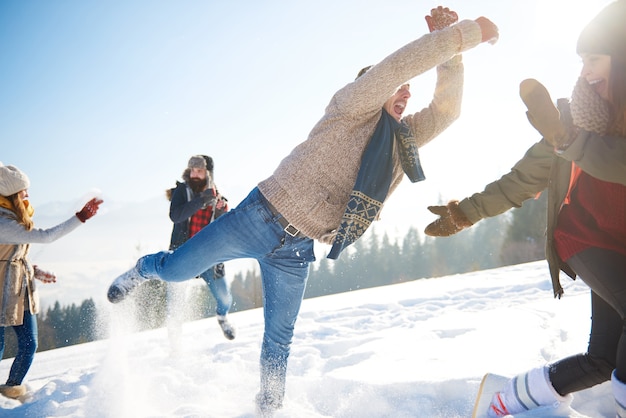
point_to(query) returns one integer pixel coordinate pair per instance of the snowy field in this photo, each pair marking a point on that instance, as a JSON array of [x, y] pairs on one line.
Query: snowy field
[[416, 349]]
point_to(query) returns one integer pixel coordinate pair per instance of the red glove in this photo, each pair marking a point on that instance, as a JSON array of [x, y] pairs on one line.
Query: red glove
[[441, 18], [44, 276], [89, 209], [488, 29]]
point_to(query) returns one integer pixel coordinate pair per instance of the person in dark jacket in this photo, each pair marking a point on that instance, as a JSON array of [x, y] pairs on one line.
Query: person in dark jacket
[[581, 161], [194, 203]]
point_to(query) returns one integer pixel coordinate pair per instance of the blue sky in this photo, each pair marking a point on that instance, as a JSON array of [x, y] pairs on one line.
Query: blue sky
[[116, 95]]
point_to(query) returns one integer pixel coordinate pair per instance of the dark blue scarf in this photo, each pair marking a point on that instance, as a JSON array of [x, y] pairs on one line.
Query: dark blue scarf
[[374, 179]]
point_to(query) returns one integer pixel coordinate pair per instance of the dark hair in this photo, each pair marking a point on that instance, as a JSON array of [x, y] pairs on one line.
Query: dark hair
[[617, 95], [363, 71]]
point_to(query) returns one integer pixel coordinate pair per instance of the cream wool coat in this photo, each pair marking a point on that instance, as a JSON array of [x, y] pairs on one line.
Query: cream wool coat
[[17, 284], [312, 185]]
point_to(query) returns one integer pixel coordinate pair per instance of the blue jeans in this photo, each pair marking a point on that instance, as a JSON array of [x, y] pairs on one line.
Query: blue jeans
[[218, 287], [26, 348], [250, 231]]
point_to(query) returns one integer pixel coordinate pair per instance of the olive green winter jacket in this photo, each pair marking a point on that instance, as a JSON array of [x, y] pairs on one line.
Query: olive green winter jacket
[[603, 157]]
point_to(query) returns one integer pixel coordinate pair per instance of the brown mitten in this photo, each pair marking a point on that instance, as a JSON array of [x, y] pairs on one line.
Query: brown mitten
[[440, 18], [543, 114], [451, 220]]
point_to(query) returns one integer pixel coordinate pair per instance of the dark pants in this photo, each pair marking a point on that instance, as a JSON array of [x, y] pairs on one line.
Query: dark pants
[[26, 348], [604, 272]]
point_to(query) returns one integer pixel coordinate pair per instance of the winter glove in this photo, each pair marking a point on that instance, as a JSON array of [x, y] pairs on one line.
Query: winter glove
[[221, 206], [556, 128], [44, 276], [209, 197], [451, 220], [89, 210], [489, 30], [219, 271], [441, 18]]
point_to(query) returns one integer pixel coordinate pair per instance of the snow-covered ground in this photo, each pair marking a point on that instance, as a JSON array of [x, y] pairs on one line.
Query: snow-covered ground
[[416, 349]]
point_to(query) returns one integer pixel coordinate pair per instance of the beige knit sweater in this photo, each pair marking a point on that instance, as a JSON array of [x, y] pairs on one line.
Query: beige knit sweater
[[311, 186]]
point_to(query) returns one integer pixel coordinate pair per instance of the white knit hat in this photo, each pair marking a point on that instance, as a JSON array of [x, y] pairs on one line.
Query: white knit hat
[[12, 180]]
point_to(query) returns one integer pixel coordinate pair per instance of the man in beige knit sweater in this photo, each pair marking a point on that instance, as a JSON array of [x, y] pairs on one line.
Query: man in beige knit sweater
[[329, 187]]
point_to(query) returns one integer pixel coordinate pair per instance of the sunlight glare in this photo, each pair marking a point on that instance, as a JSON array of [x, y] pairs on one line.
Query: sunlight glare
[[559, 22]]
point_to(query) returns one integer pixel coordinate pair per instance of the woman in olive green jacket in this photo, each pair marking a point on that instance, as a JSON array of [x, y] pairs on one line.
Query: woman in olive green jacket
[[581, 161]]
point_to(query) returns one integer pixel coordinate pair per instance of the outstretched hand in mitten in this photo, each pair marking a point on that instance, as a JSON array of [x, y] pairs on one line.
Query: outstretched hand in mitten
[[451, 220], [488, 29], [554, 124], [89, 210], [441, 18]]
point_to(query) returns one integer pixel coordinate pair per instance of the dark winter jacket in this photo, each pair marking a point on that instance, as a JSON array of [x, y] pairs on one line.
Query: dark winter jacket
[[184, 203], [182, 206]]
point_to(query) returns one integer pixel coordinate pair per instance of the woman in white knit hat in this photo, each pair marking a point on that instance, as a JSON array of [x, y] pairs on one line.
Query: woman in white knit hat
[[19, 300]]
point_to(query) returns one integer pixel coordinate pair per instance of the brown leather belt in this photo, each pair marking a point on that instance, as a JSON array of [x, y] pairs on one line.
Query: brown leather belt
[[287, 227]]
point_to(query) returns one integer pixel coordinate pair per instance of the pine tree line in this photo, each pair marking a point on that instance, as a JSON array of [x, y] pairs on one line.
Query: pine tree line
[[60, 327]]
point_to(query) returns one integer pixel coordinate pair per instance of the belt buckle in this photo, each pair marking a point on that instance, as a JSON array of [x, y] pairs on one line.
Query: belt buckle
[[291, 230]]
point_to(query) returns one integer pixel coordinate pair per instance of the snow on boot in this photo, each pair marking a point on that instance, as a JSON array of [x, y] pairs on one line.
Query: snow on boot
[[13, 391], [125, 284], [267, 405], [526, 391], [619, 392], [227, 328]]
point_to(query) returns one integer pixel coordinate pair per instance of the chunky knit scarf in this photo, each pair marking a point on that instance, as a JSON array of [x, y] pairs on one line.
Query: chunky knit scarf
[[590, 112], [374, 178]]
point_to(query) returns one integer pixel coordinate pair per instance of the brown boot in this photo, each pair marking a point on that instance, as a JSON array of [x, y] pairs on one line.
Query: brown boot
[[13, 391]]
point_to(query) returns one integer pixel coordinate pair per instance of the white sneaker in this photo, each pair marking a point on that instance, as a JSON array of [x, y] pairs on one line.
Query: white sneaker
[[526, 391], [227, 328], [125, 284]]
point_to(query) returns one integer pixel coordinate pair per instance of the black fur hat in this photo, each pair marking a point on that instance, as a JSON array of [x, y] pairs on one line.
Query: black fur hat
[[201, 161], [209, 163]]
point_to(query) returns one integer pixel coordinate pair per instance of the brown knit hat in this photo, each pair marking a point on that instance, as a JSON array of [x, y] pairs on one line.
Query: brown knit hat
[[12, 180], [606, 33]]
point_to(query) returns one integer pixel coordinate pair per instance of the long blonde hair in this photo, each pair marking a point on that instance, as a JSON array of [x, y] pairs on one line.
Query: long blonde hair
[[21, 211]]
